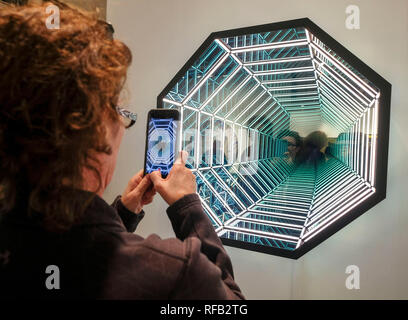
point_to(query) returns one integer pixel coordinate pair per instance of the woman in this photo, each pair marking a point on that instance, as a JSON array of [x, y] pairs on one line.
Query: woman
[[294, 147], [315, 147], [60, 131]]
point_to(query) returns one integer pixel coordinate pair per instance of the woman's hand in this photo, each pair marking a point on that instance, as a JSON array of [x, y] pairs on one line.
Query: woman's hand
[[138, 193], [180, 181]]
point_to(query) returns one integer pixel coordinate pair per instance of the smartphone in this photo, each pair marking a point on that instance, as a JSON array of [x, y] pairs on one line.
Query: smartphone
[[162, 142]]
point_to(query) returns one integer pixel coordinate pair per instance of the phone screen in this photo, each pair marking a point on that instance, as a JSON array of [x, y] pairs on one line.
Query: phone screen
[[161, 145]]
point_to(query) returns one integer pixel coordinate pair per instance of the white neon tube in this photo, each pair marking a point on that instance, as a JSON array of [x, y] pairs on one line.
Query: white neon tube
[[197, 141], [349, 207], [349, 191], [233, 94], [216, 194], [268, 223], [274, 61], [178, 104], [205, 78], [270, 46], [298, 87], [364, 100], [216, 91], [374, 137], [283, 71], [355, 79]]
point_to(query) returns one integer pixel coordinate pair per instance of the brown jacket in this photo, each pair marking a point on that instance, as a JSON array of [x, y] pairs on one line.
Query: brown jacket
[[102, 257]]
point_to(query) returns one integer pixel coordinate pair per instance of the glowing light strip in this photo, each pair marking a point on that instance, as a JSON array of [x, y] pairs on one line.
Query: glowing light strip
[[197, 141], [341, 127], [365, 101], [248, 107], [300, 99], [214, 216], [359, 164], [225, 170], [333, 120], [178, 104], [309, 40], [332, 196], [355, 79], [331, 176], [341, 98], [268, 223], [279, 118], [288, 195], [216, 91], [257, 109], [366, 126], [345, 210], [283, 71], [281, 207], [331, 87], [223, 142], [296, 94], [271, 46], [255, 232], [274, 61], [337, 109], [347, 192], [374, 136], [253, 76], [205, 78], [279, 112], [289, 202], [275, 170], [236, 90], [250, 176], [278, 214], [281, 122], [227, 188], [260, 173], [205, 181], [271, 176], [266, 217], [179, 131], [340, 180], [211, 141], [245, 181], [305, 79], [223, 45], [299, 87]]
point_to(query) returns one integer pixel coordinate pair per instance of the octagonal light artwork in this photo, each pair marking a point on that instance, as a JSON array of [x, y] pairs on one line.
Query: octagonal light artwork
[[242, 94]]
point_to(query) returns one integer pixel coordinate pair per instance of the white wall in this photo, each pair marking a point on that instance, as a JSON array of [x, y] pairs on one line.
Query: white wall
[[163, 34]]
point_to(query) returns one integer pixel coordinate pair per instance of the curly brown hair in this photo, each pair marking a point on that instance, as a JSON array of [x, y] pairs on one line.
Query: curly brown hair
[[57, 88]]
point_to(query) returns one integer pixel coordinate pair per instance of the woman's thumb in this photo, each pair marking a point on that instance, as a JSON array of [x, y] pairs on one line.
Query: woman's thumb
[[156, 177]]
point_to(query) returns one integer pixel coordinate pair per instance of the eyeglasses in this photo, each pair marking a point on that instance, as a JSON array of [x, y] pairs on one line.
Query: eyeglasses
[[128, 118]]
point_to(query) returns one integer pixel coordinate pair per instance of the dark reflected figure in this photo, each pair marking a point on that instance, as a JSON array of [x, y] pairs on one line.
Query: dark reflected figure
[[315, 145], [293, 154]]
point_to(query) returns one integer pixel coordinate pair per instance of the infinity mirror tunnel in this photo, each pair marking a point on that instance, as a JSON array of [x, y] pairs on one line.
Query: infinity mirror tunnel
[[287, 134]]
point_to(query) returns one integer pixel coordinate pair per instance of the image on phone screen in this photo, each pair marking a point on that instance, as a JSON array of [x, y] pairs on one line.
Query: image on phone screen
[[161, 145]]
